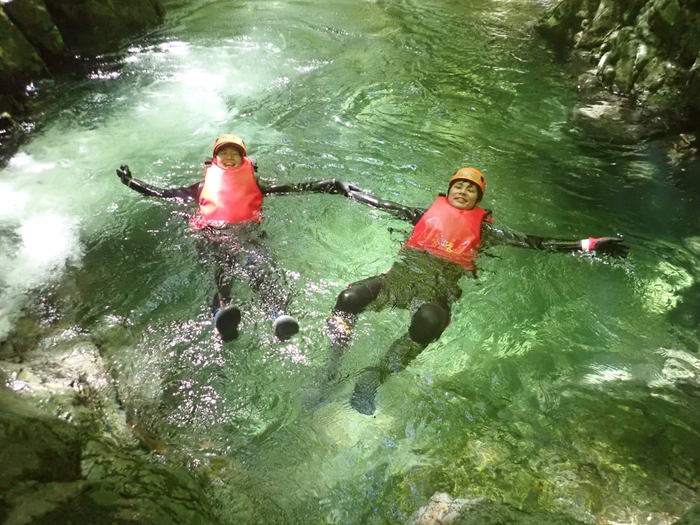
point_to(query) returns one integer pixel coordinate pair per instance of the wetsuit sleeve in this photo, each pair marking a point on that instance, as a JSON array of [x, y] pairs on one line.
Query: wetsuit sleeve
[[491, 235], [184, 194], [405, 213], [348, 189], [334, 186]]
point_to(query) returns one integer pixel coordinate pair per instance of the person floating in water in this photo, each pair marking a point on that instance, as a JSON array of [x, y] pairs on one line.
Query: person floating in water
[[441, 249], [229, 216]]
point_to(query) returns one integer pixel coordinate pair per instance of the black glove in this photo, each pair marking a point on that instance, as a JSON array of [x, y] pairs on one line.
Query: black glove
[[124, 174], [605, 245], [344, 188]]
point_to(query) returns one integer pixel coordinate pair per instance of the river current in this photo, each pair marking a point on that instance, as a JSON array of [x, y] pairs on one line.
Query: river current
[[565, 382]]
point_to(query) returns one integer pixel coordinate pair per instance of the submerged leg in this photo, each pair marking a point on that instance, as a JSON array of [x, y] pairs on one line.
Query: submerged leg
[[227, 317], [339, 328], [362, 398], [330, 373], [350, 302], [429, 321], [263, 276], [240, 256], [401, 352], [427, 324]]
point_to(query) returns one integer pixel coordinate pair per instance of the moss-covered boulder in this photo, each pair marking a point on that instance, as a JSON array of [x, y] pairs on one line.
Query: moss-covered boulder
[[645, 50], [34, 21]]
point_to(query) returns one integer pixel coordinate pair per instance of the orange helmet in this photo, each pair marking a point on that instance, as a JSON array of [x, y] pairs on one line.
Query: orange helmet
[[472, 175], [230, 140]]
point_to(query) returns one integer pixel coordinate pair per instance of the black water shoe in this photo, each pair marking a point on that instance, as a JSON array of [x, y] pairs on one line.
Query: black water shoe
[[362, 398], [285, 326], [227, 320]]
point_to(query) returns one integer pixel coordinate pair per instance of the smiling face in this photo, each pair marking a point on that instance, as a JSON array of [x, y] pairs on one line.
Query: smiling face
[[463, 195], [228, 157]]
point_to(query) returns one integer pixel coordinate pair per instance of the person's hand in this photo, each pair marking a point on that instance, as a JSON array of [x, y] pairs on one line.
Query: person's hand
[[605, 245], [124, 174], [344, 187]]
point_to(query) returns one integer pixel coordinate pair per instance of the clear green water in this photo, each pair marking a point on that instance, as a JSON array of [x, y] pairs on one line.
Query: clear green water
[[563, 383]]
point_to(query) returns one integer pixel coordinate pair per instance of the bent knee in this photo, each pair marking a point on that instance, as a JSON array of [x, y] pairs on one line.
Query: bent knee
[[353, 300], [428, 323]]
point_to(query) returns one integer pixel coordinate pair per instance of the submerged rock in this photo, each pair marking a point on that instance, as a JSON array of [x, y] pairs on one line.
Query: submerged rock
[[67, 453], [35, 445], [65, 373], [443, 509], [685, 148], [692, 517]]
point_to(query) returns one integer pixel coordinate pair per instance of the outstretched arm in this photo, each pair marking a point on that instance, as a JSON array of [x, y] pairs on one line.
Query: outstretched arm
[[406, 213], [348, 189], [492, 235], [338, 186], [184, 194]]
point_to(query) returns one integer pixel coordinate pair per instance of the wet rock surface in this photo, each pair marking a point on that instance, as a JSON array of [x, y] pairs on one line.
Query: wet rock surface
[[67, 451], [19, 64], [645, 53], [443, 509], [34, 21], [96, 25]]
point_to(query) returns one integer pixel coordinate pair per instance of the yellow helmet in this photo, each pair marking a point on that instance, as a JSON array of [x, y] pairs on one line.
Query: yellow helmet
[[471, 175], [229, 139]]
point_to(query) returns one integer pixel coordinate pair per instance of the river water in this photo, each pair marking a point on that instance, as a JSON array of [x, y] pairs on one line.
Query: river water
[[564, 382]]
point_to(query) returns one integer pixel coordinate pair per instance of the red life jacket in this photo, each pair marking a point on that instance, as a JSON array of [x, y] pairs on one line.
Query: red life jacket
[[449, 233], [229, 196]]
